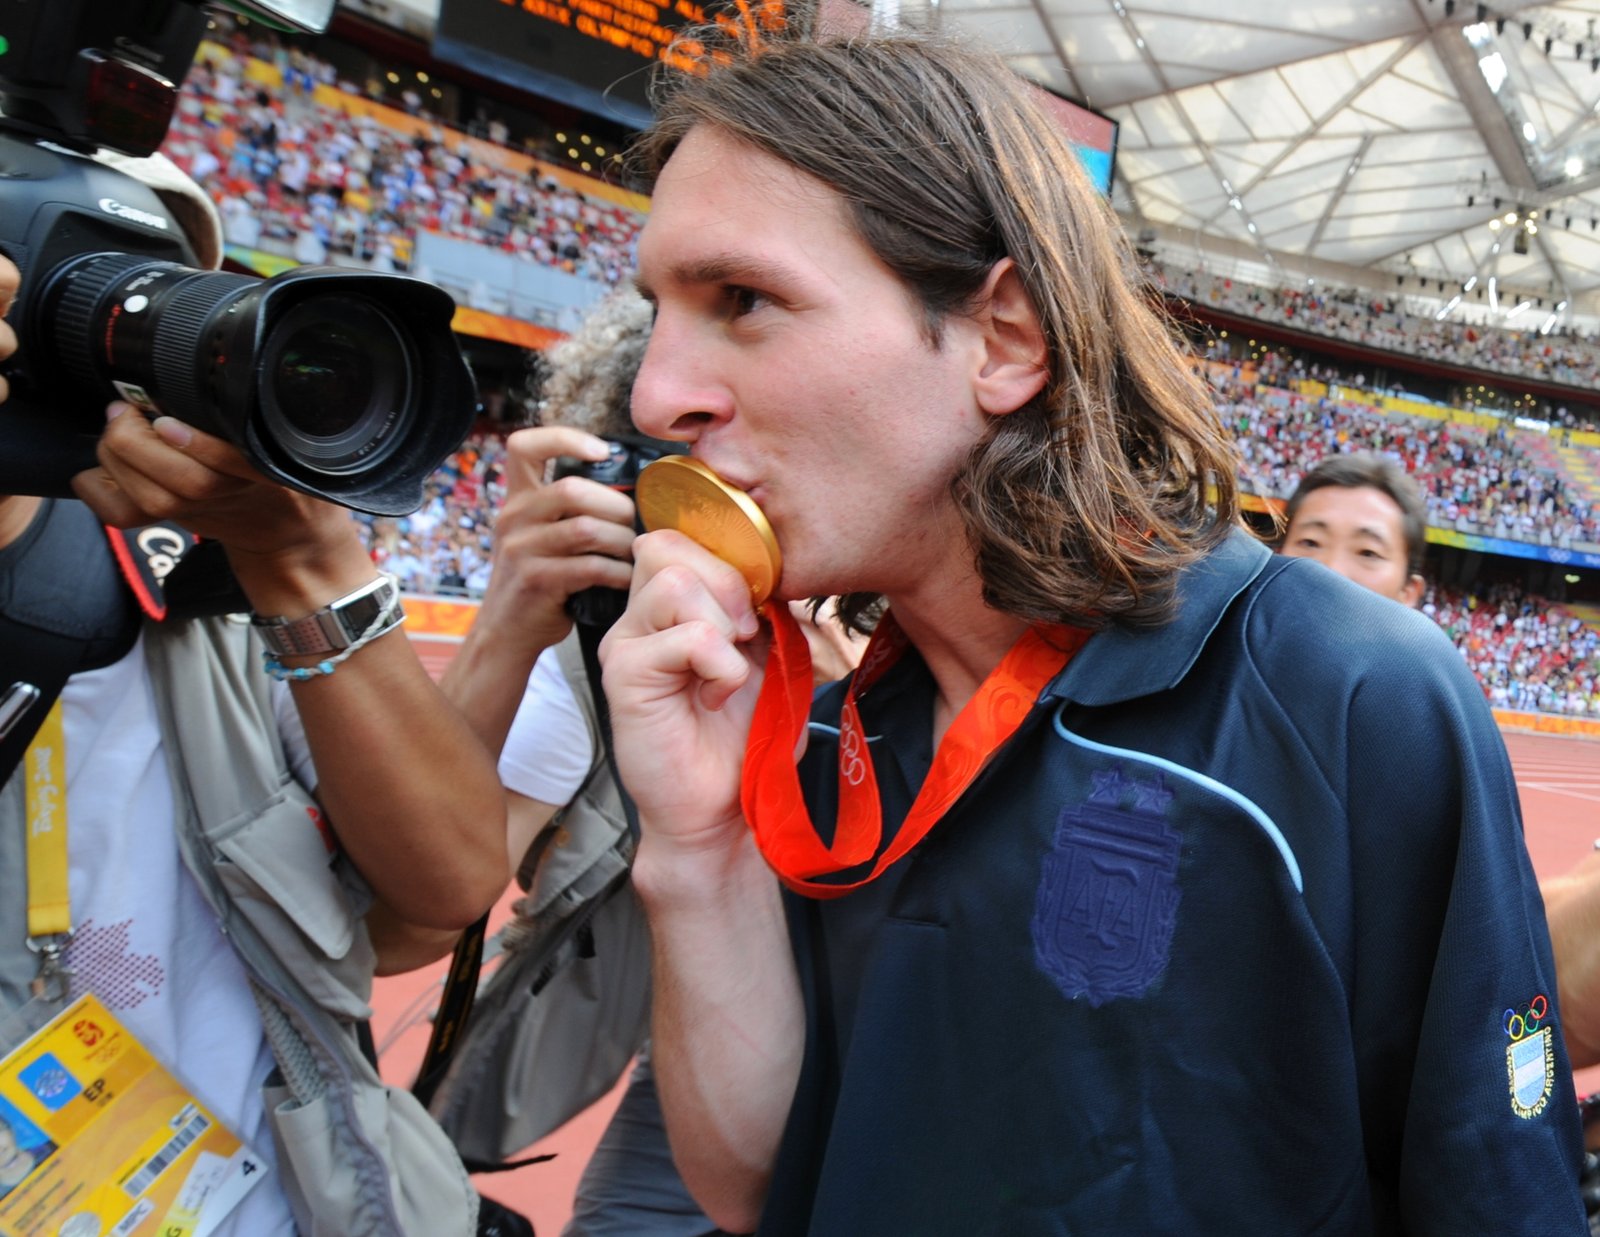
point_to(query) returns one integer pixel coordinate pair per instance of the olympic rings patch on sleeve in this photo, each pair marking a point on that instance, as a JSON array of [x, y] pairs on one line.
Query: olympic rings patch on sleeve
[[1530, 1056]]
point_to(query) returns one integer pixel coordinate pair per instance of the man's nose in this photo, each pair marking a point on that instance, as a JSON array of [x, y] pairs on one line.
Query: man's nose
[[674, 397]]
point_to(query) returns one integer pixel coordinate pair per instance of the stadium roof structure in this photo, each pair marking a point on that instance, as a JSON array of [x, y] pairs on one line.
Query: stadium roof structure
[[1364, 141], [1359, 142]]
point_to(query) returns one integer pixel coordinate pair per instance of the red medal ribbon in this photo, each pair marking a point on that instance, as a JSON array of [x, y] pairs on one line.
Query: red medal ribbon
[[770, 787]]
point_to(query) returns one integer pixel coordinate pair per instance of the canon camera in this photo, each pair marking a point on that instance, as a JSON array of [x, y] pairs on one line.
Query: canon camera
[[342, 383]]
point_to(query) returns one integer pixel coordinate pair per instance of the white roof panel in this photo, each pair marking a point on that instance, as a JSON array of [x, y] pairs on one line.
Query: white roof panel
[[1280, 98]]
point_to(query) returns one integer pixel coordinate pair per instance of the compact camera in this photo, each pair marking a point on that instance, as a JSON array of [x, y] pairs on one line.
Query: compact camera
[[600, 607], [341, 383]]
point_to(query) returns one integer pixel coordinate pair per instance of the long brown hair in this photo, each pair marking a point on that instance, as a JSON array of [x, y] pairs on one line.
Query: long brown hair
[[1083, 506]]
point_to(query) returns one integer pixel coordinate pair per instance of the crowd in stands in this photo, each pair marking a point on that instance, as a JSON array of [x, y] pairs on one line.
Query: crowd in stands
[[1529, 654], [298, 176], [1563, 356], [310, 180], [443, 547], [1475, 480]]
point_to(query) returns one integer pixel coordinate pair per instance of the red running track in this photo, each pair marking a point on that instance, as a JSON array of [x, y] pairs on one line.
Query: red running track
[[1559, 779]]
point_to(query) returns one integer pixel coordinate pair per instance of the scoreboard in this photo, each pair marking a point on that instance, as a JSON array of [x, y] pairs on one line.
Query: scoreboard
[[598, 55], [595, 55]]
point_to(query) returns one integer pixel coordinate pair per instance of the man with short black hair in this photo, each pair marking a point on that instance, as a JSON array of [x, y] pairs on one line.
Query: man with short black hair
[[1364, 517]]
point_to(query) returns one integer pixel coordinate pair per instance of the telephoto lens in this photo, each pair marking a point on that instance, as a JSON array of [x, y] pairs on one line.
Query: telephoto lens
[[346, 385]]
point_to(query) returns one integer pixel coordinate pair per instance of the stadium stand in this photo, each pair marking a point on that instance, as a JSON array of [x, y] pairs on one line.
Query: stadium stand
[[1528, 653], [1567, 357], [302, 165]]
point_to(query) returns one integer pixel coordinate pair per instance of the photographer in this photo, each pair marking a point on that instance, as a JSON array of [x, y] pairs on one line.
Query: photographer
[[520, 678], [555, 540], [220, 943]]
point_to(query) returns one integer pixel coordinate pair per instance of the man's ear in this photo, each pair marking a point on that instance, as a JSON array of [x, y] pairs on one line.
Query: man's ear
[[1015, 363], [1412, 591]]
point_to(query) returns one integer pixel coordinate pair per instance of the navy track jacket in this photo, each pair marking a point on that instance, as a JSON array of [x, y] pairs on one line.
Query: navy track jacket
[[1237, 934]]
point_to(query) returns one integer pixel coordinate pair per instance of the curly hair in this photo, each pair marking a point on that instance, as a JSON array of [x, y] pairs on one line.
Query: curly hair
[[1083, 506], [589, 375]]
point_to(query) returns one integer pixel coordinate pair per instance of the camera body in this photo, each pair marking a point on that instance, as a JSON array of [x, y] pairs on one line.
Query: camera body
[[342, 383], [630, 454]]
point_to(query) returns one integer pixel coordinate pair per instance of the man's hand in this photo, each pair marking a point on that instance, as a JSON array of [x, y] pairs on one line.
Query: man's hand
[[835, 650], [682, 672], [1572, 909], [553, 539], [683, 668]]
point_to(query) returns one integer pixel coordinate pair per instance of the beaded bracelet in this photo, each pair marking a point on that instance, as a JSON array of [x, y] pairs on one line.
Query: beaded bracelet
[[380, 626]]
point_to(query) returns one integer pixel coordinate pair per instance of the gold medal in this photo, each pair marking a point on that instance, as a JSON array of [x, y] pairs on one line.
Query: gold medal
[[682, 493]]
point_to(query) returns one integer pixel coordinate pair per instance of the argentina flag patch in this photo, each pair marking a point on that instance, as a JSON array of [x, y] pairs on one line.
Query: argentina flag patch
[[1108, 897]]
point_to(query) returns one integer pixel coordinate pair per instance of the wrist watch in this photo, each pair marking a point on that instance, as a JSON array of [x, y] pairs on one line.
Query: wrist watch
[[371, 611]]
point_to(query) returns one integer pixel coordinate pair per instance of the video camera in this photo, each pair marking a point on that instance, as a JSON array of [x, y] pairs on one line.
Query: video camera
[[342, 383]]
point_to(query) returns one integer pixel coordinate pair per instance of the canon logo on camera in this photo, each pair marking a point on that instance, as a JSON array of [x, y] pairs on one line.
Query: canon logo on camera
[[113, 207]]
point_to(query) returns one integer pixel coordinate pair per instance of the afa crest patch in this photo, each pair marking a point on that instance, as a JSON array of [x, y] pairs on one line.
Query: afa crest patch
[[1108, 892], [1530, 1056]]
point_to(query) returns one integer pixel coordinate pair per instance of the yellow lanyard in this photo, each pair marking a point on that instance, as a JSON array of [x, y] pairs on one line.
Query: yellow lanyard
[[44, 767]]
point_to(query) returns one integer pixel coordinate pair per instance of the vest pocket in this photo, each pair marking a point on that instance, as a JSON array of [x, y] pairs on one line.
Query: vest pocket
[[282, 878], [333, 1183]]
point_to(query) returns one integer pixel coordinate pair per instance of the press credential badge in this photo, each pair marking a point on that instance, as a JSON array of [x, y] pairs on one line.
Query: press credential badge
[[103, 1140]]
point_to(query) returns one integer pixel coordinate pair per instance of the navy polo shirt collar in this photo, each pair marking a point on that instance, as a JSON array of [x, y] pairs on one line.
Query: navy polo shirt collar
[[1123, 663]]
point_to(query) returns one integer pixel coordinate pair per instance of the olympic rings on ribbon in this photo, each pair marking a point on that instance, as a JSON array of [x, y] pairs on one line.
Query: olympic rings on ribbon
[[1523, 1023]]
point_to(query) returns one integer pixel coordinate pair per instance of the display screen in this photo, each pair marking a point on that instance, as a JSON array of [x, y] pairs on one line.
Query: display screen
[[596, 55], [1092, 135]]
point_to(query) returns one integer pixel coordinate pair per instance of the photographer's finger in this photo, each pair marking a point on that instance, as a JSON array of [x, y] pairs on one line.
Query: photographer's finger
[[575, 496], [160, 477], [592, 571], [587, 534], [10, 281], [111, 504], [529, 451], [8, 340], [212, 452]]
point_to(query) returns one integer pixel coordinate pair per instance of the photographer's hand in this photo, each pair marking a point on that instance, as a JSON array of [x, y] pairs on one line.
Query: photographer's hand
[[16, 511], [166, 470], [10, 281], [551, 540], [408, 789]]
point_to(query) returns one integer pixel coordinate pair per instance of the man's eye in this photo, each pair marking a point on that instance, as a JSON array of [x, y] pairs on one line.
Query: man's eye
[[745, 300]]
